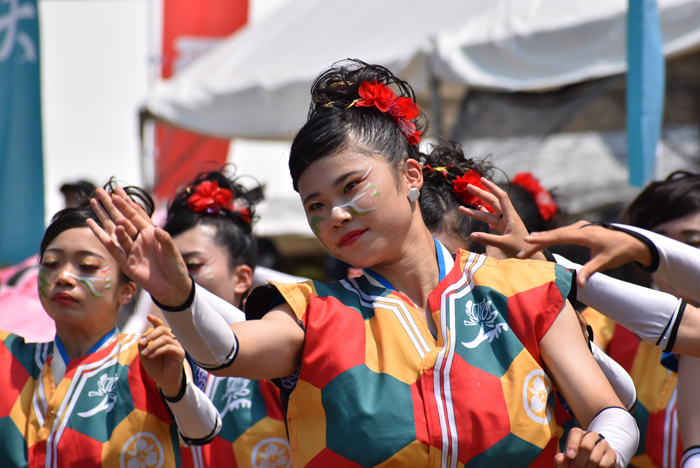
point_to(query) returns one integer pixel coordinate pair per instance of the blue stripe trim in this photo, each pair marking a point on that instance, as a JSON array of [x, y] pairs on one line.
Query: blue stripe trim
[[96, 346], [441, 259]]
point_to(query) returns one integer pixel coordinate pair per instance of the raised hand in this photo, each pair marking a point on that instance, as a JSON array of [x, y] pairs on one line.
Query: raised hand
[[609, 248], [505, 220], [585, 449], [162, 357], [145, 252]]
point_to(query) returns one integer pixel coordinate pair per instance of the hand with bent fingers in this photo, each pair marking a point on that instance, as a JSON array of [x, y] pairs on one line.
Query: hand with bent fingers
[[585, 449], [505, 220], [609, 248], [144, 252], [162, 357]]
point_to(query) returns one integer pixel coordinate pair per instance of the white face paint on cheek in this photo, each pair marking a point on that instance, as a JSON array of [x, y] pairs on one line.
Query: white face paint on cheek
[[352, 204], [207, 273], [89, 282]]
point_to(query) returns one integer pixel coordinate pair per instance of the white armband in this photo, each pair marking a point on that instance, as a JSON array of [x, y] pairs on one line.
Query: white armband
[[652, 315], [619, 379], [202, 327], [196, 416], [620, 431], [678, 264], [691, 457]]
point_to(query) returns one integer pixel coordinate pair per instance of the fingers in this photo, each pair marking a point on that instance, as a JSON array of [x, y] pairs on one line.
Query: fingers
[[561, 461], [485, 196], [586, 450], [113, 249], [490, 218], [135, 206], [159, 342], [493, 240], [98, 206], [155, 321]]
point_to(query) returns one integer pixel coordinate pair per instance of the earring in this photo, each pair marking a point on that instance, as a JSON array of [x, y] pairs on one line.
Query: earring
[[413, 194]]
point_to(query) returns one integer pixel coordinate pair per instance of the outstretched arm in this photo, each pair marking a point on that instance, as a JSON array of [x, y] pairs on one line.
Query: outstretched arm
[[202, 322], [609, 248], [577, 376]]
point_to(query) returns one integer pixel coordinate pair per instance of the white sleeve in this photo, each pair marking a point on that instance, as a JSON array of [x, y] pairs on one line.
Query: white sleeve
[[620, 431], [619, 379], [691, 458], [678, 263], [202, 327], [652, 315], [197, 418]]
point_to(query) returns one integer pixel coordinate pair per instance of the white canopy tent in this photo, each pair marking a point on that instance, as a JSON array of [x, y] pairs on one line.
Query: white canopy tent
[[255, 84]]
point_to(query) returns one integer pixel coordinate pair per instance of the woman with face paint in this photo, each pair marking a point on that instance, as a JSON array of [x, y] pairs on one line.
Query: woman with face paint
[[426, 360], [94, 397], [210, 222]]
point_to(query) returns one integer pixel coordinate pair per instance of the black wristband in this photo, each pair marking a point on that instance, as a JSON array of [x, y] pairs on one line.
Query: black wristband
[[674, 329], [180, 394], [180, 308]]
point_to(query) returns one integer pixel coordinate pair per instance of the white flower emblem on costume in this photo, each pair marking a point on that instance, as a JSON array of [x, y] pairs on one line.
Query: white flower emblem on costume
[[272, 453], [536, 391], [146, 452], [481, 315], [105, 388], [8, 23], [236, 389]]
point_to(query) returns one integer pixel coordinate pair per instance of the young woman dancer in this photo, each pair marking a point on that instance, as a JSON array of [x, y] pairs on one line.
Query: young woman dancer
[[210, 222], [424, 361], [672, 208], [94, 397]]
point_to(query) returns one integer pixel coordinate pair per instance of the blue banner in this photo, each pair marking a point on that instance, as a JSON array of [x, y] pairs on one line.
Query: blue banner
[[646, 82], [21, 162]]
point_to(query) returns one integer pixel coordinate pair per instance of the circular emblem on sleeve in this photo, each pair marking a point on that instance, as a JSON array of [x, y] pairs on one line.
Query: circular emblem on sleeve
[[535, 393], [142, 450], [272, 453]]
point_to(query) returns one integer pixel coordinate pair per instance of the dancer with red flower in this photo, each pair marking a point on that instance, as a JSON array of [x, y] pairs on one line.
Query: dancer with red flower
[[425, 360], [210, 221]]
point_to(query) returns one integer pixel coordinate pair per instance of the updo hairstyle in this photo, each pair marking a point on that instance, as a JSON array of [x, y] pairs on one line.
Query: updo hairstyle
[[664, 201], [335, 123], [439, 204], [233, 229], [76, 217]]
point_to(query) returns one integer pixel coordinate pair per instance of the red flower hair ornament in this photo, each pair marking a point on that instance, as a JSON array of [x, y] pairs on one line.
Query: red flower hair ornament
[[545, 203], [460, 183], [402, 109], [212, 199]]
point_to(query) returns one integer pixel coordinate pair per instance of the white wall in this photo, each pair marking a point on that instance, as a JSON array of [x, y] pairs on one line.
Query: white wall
[[98, 58], [94, 58]]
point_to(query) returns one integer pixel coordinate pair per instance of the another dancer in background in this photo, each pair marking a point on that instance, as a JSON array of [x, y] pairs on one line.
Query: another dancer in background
[[210, 222], [94, 397]]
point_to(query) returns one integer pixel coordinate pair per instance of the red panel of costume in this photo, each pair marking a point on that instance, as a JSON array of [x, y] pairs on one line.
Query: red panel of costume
[[375, 388]]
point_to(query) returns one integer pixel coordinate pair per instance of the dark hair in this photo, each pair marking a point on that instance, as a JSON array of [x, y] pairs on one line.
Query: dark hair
[[233, 230], [438, 203], [334, 122], [76, 217], [663, 201]]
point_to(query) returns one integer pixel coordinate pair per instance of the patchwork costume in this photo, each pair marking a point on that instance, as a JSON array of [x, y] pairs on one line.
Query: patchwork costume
[[253, 433], [105, 411], [375, 388], [655, 413]]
